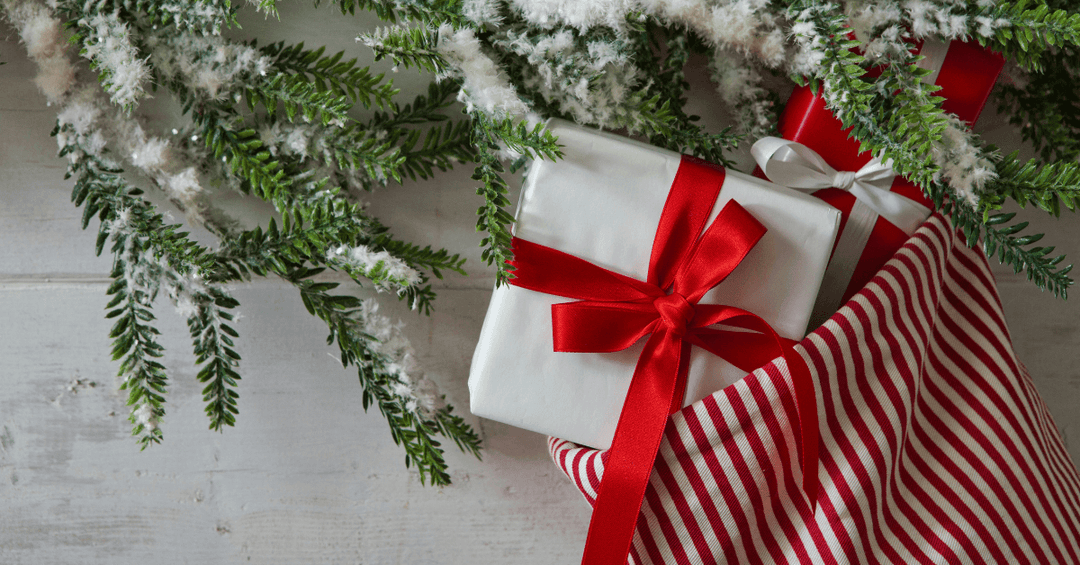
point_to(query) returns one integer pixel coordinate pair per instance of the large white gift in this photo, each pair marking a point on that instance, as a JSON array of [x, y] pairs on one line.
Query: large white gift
[[602, 202]]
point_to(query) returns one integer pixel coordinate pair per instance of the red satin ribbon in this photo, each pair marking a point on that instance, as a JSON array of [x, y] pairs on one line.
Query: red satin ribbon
[[966, 78], [615, 311]]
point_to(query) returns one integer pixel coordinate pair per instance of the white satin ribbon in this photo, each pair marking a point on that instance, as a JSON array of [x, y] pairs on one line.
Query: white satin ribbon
[[795, 165]]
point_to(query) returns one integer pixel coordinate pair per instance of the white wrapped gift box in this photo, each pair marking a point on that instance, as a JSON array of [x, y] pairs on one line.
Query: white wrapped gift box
[[602, 202]]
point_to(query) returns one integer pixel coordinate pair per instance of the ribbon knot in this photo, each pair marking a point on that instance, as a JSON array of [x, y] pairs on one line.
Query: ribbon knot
[[675, 312], [844, 180]]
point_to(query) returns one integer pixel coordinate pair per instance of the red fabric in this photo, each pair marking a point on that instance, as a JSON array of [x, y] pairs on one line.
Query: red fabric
[[967, 75], [615, 311], [935, 446]]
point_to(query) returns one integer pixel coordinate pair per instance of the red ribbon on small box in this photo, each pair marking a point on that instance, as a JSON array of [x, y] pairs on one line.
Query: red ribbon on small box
[[966, 73], [615, 311]]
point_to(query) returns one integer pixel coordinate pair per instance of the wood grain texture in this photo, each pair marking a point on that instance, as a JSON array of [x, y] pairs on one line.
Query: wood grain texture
[[306, 476]]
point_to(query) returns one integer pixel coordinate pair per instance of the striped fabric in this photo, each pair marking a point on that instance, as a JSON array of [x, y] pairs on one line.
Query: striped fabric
[[935, 446]]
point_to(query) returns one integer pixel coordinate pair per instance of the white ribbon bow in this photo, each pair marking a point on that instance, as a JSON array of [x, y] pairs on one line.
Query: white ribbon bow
[[795, 165]]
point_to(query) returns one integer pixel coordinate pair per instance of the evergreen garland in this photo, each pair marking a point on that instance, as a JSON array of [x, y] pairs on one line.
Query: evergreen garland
[[278, 122]]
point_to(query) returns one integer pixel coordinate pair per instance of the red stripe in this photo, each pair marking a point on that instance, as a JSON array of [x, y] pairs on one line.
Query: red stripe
[[590, 473], [935, 479], [719, 476], [682, 506], [912, 383], [765, 414], [977, 377], [909, 381], [874, 494], [805, 514], [720, 472], [1033, 409], [958, 451], [1058, 455], [741, 465], [903, 324], [644, 533], [702, 494], [1003, 349], [663, 520], [1011, 390], [832, 462], [976, 276]]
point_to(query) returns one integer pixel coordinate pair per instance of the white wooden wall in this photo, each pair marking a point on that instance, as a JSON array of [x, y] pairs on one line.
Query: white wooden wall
[[306, 476]]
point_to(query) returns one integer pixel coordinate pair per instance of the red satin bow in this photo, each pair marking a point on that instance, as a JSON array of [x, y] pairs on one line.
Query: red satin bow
[[615, 311]]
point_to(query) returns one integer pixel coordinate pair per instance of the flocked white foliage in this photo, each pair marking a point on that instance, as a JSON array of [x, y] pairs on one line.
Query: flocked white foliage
[[962, 166], [740, 86], [385, 270], [209, 64], [398, 358], [108, 45], [46, 46], [484, 87], [481, 12]]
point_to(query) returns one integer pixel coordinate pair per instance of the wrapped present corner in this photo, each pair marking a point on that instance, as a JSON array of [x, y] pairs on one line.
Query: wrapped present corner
[[880, 210], [603, 202]]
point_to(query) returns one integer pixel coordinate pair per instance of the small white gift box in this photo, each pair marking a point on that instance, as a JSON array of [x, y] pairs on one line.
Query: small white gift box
[[602, 202]]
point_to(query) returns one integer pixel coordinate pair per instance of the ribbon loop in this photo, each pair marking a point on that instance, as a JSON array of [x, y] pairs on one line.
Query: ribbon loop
[[795, 165]]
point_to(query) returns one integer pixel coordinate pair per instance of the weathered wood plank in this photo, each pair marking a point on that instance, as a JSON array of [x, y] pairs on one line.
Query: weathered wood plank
[[305, 475]]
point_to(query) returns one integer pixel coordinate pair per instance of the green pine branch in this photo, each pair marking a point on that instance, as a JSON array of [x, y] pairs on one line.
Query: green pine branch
[[414, 430], [298, 97], [1033, 32], [427, 12], [1046, 110], [331, 74], [246, 156], [212, 340], [425, 108], [201, 16], [148, 253], [493, 218], [135, 341], [441, 148], [408, 47], [1048, 186]]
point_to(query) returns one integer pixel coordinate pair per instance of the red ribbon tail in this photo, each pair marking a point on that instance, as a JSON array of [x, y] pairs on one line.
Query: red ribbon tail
[[633, 451]]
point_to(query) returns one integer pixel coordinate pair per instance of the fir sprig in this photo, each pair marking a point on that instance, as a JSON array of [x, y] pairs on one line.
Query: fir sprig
[[288, 89], [493, 219], [298, 97], [134, 341], [212, 338], [202, 16], [1033, 30], [246, 155], [412, 428], [664, 53], [537, 143], [1045, 108], [408, 47], [149, 253], [1048, 186], [427, 11], [330, 73]]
